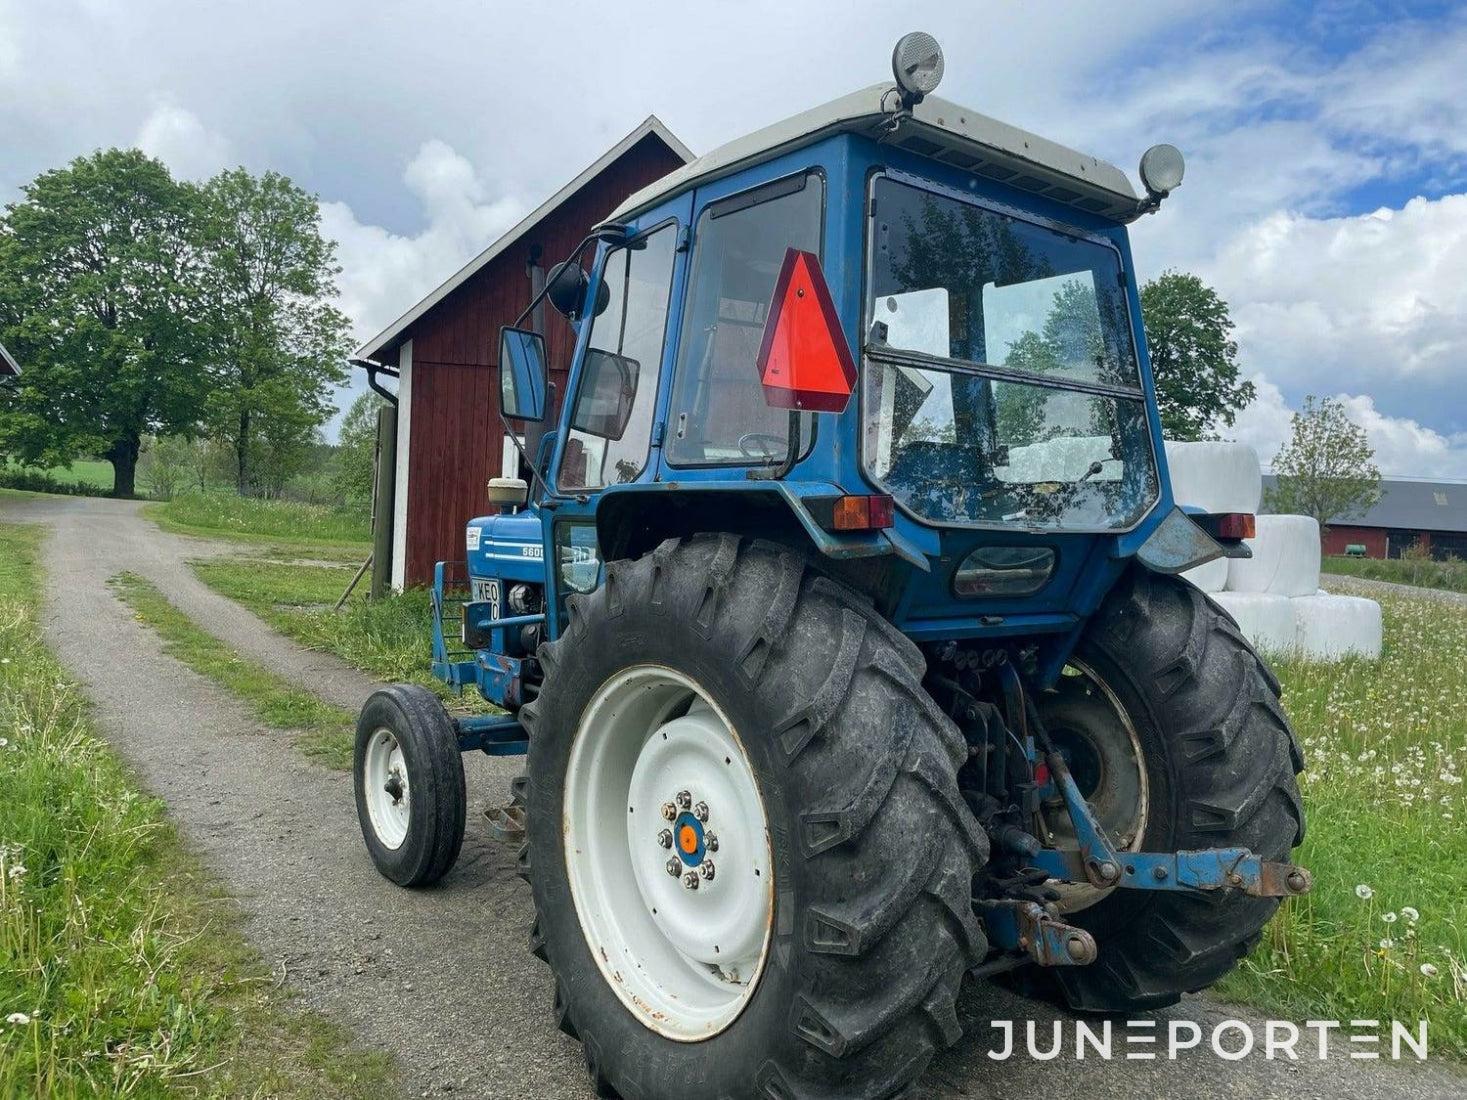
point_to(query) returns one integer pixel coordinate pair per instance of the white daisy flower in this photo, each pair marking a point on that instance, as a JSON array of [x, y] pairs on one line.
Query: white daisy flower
[[1364, 892]]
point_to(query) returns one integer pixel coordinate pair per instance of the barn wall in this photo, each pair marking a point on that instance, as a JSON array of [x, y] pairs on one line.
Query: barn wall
[[456, 438], [1374, 539]]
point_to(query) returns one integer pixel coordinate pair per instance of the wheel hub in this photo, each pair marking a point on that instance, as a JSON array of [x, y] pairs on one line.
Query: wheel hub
[[681, 941], [388, 790]]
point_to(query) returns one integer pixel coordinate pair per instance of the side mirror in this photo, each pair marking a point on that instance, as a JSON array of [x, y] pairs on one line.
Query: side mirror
[[521, 374], [566, 288], [608, 388]]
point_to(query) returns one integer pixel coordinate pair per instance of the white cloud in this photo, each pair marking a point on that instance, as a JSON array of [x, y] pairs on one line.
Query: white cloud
[[177, 137], [1373, 301], [384, 273], [1403, 447]]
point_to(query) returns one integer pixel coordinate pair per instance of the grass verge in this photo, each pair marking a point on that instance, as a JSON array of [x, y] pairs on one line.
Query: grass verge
[[1420, 572], [1383, 935], [325, 731], [227, 515], [122, 967], [389, 638]]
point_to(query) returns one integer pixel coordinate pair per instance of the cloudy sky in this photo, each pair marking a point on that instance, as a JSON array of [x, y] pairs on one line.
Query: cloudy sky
[[1326, 193]]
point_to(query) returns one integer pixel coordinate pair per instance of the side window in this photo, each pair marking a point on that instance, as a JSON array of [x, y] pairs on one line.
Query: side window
[[718, 414], [611, 423]]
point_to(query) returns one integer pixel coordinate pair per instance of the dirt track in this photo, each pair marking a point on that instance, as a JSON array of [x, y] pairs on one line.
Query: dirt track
[[441, 977]]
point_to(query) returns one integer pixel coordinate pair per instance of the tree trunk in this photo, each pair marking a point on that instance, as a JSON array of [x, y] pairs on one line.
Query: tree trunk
[[242, 452], [123, 455]]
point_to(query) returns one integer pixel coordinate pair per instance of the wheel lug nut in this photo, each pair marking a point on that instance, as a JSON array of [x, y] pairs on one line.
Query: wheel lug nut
[[690, 880], [669, 811], [707, 869], [674, 868], [664, 838], [700, 811], [684, 799], [710, 841]]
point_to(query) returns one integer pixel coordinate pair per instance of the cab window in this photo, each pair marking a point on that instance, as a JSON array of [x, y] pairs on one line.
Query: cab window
[[611, 423], [718, 414]]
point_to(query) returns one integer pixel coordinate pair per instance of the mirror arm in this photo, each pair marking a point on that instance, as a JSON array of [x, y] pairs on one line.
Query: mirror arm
[[544, 291]]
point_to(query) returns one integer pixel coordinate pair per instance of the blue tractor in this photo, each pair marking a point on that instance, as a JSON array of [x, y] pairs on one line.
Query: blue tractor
[[838, 615]]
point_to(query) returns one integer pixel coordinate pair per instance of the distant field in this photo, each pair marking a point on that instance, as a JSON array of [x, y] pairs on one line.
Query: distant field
[[93, 472], [1448, 575]]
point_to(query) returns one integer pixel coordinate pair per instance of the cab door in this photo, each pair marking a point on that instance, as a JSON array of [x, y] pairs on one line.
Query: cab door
[[608, 430]]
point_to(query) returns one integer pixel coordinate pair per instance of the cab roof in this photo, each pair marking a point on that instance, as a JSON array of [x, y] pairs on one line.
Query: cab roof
[[935, 128]]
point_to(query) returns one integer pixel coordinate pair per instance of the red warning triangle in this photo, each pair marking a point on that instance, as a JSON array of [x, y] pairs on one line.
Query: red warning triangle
[[804, 362]]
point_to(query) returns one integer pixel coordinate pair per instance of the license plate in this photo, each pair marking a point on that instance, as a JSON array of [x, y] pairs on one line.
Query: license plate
[[486, 590]]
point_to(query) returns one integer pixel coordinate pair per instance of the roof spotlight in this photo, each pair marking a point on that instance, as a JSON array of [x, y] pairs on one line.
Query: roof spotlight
[[1162, 168], [917, 65]]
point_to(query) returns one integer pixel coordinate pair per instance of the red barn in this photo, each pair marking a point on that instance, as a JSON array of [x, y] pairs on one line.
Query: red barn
[[449, 437]]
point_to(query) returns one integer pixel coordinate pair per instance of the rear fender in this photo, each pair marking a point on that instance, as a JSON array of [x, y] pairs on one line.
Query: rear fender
[[633, 519]]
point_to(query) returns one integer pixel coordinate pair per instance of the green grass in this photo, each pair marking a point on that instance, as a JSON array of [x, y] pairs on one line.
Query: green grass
[[1449, 575], [389, 638], [89, 471], [325, 731], [123, 970], [1385, 746], [226, 515]]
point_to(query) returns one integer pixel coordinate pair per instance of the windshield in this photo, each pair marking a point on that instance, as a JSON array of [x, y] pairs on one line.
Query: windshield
[[1000, 382]]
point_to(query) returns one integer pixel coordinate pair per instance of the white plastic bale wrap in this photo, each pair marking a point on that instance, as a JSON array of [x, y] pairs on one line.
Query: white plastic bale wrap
[[1266, 621], [1215, 477], [1067, 458], [1285, 559], [1210, 577], [1329, 628]]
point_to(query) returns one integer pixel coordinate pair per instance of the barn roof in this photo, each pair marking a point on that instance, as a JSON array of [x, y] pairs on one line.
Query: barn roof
[[394, 333], [938, 129], [1411, 506], [9, 368]]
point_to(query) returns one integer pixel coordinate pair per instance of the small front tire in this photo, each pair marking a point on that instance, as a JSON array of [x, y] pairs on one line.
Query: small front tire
[[409, 780]]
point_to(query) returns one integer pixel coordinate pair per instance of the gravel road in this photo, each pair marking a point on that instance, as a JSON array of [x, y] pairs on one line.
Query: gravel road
[[441, 977]]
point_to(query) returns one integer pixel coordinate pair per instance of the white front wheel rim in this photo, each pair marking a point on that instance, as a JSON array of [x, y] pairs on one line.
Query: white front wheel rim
[[667, 851], [386, 783]]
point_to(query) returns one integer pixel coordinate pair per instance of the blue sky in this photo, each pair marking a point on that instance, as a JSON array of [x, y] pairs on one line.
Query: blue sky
[[1326, 194]]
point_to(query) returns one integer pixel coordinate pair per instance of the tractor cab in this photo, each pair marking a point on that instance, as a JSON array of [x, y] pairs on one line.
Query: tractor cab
[[892, 331], [838, 601]]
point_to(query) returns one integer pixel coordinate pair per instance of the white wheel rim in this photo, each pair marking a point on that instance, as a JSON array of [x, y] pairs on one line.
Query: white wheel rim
[[683, 960], [385, 780]]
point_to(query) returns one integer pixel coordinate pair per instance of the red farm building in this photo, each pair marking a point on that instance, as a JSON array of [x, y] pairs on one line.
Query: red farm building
[[449, 437], [1431, 515]]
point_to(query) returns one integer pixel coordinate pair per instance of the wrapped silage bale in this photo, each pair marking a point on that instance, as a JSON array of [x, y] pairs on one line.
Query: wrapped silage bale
[[1211, 576], [1329, 628], [1215, 477], [1265, 620], [1285, 559]]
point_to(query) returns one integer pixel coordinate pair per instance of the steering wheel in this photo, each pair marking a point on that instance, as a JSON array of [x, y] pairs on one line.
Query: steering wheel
[[771, 444]]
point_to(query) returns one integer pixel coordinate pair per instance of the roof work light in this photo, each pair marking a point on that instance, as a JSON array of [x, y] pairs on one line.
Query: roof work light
[[917, 65], [1162, 168]]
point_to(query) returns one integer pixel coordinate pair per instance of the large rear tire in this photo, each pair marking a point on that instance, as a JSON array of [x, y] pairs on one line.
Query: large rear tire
[[1220, 762], [867, 928]]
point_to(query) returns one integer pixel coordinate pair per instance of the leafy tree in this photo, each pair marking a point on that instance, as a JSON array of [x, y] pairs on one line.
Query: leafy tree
[[95, 298], [1326, 470], [278, 344], [357, 450], [1193, 355]]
